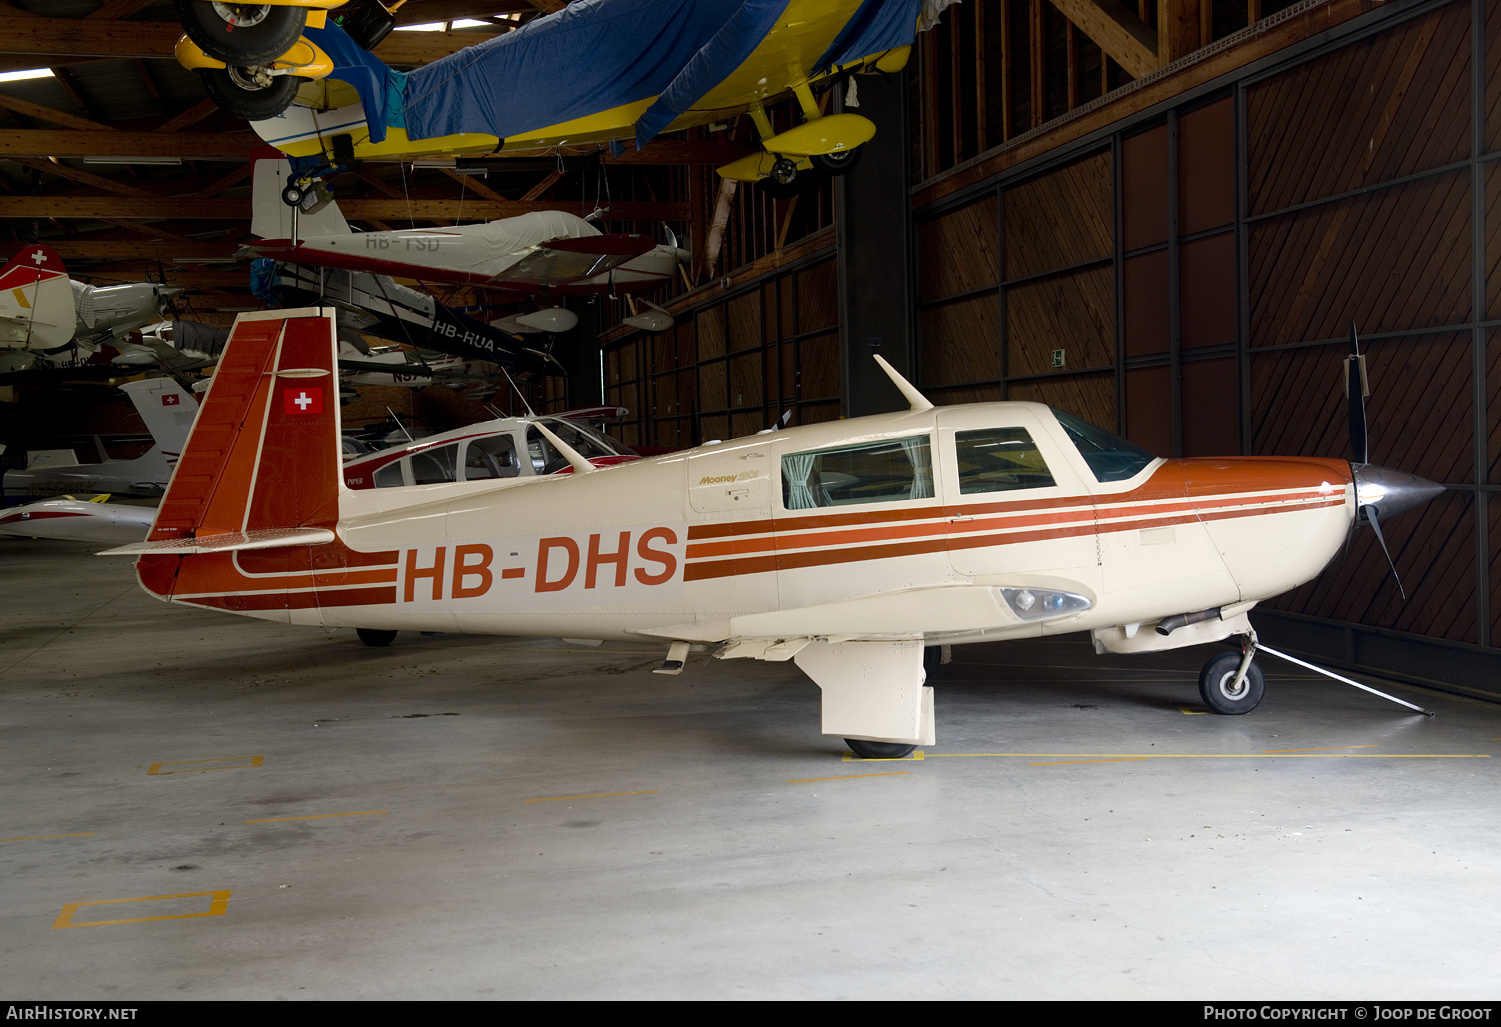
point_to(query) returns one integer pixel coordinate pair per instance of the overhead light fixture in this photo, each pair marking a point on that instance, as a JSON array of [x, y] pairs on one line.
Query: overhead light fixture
[[112, 159], [29, 73], [427, 26]]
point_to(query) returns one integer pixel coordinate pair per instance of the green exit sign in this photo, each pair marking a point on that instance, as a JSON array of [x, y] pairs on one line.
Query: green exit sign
[[1057, 358]]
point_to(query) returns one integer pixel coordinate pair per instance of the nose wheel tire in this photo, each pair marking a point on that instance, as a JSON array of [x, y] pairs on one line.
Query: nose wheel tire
[[878, 750], [1218, 689], [241, 33], [374, 637]]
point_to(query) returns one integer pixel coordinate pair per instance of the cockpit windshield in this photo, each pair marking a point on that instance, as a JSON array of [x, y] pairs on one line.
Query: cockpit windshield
[[1109, 456]]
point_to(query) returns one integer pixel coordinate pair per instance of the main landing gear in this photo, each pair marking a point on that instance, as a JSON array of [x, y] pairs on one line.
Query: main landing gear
[[374, 637]]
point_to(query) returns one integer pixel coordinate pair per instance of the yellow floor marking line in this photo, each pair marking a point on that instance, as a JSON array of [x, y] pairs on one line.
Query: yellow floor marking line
[[319, 816], [217, 907], [1191, 713], [915, 757], [845, 777], [156, 768], [598, 795], [39, 837], [1061, 763], [1327, 748]]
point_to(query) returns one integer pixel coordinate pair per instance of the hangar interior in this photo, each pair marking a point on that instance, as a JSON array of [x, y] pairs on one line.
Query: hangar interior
[[1160, 217]]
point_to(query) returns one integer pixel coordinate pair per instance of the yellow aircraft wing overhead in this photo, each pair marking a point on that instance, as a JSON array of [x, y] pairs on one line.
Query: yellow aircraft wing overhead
[[597, 71]]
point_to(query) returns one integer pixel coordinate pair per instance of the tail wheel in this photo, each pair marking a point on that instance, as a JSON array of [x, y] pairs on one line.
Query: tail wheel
[[840, 162], [241, 33], [251, 93], [878, 750], [1219, 690]]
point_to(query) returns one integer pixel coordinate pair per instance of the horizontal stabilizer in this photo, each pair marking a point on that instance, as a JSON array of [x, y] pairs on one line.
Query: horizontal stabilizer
[[228, 542]]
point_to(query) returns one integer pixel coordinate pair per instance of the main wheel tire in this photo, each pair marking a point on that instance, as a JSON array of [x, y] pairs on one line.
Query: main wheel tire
[[1217, 680], [841, 162], [374, 637], [260, 33], [878, 750], [239, 94]]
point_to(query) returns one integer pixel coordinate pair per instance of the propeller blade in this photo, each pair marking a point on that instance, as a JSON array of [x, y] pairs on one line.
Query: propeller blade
[[1370, 513], [1355, 389]]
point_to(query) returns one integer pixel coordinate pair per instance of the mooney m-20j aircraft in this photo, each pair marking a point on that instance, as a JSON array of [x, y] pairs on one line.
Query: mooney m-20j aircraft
[[598, 71], [846, 546]]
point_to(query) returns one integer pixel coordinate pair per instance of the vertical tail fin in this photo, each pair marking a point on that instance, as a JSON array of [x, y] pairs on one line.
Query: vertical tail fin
[[270, 218], [261, 466], [36, 301], [168, 410]]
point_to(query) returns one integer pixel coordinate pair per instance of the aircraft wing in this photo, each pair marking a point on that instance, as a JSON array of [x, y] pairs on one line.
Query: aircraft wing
[[565, 261]]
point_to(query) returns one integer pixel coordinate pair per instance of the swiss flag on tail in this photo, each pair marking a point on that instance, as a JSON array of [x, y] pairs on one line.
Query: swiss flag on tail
[[302, 400]]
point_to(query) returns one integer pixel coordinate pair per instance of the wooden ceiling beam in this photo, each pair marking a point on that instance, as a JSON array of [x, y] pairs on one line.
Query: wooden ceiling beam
[[1117, 31], [142, 249], [115, 9], [191, 116], [1177, 29], [50, 115], [107, 142], [220, 209], [82, 37], [421, 12], [84, 177]]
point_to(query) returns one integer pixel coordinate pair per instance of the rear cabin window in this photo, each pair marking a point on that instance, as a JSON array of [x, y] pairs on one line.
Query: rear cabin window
[[1110, 457], [999, 460], [873, 472], [492, 457], [435, 466], [390, 476]]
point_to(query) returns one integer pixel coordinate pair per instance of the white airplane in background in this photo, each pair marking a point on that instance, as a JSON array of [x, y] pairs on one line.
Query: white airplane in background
[[846, 547], [78, 520], [168, 411]]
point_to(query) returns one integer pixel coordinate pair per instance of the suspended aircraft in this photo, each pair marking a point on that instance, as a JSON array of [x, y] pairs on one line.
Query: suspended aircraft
[[596, 72], [847, 547], [46, 318]]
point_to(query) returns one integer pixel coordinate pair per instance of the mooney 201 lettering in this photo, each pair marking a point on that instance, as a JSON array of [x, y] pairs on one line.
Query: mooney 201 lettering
[[846, 546]]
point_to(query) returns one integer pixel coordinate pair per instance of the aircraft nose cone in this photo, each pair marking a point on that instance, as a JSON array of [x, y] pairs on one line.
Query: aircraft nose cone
[[1389, 491]]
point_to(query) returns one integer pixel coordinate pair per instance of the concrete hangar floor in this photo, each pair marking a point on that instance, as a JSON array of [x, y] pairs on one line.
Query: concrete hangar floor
[[202, 806]]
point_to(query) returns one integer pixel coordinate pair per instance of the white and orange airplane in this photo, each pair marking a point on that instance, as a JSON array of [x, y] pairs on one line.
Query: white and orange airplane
[[846, 547]]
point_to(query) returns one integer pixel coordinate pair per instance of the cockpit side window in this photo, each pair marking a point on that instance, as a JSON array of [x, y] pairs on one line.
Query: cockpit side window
[[1110, 457], [999, 460], [872, 472], [390, 475]]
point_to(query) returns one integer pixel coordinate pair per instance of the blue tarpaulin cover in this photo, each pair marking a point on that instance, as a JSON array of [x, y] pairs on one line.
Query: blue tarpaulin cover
[[592, 56]]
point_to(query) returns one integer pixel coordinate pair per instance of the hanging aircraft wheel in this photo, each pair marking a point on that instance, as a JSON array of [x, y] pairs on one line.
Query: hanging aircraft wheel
[[374, 637], [292, 195], [1217, 685], [251, 93], [878, 750], [841, 162], [241, 33]]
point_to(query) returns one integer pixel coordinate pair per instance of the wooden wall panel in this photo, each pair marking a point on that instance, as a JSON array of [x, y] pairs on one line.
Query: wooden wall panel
[[817, 298], [747, 381], [1394, 259], [1211, 408], [1149, 409], [1144, 183], [1493, 240], [815, 413], [1369, 112], [710, 331], [1493, 409], [1207, 291], [1090, 396], [1493, 77], [1206, 167], [711, 386], [1145, 281], [1059, 219], [956, 253], [1419, 411], [959, 342], [744, 322], [1073, 312], [1434, 550], [965, 394], [818, 367]]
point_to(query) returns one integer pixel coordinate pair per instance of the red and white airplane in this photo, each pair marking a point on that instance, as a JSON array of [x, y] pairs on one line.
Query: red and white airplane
[[847, 546]]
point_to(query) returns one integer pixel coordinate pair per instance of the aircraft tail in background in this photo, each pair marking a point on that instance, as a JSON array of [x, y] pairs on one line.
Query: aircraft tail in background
[[36, 301]]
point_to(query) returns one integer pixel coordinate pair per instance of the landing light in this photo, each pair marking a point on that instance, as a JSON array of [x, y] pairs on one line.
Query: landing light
[[1037, 603]]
